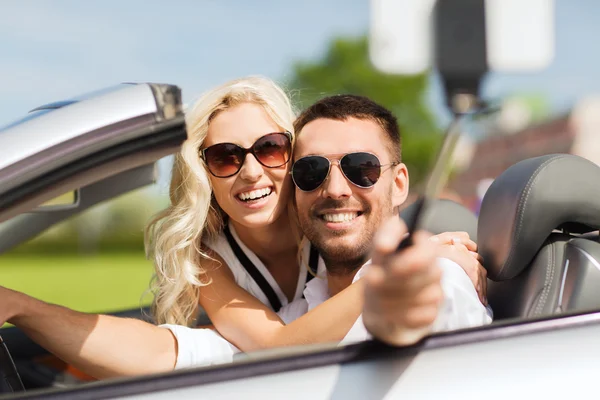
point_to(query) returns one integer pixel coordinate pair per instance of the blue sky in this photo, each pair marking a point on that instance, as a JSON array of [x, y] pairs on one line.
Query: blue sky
[[54, 49]]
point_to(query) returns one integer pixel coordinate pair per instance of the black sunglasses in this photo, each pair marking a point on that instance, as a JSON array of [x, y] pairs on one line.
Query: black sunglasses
[[226, 159], [361, 169]]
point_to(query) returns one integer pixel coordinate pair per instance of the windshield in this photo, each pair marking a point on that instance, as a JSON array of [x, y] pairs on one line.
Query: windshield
[[46, 108]]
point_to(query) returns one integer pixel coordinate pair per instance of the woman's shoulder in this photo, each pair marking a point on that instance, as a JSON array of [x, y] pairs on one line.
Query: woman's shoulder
[[213, 259], [215, 241], [217, 245], [222, 255]]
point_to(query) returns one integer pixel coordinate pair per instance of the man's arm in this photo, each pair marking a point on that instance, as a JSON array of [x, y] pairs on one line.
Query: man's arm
[[403, 290], [99, 345]]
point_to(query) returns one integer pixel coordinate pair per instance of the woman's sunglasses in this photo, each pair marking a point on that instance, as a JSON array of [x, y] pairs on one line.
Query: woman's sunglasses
[[361, 169], [226, 159]]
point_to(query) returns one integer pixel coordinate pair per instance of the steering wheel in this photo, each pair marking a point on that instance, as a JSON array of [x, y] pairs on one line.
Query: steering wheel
[[10, 381]]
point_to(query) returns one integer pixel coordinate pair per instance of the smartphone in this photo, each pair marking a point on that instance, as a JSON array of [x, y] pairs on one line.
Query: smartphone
[[519, 34]]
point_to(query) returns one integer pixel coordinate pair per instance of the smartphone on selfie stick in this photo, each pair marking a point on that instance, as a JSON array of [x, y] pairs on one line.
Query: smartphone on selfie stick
[[463, 40]]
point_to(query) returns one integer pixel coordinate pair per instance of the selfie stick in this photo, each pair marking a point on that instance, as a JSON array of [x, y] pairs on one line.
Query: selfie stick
[[461, 58]]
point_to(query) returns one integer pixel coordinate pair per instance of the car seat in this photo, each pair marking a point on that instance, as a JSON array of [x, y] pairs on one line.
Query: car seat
[[537, 232], [444, 215]]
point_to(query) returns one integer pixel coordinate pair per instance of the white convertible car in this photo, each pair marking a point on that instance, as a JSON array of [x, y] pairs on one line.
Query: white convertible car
[[537, 232]]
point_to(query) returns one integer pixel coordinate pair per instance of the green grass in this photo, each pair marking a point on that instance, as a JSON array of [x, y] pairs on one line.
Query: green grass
[[98, 283]]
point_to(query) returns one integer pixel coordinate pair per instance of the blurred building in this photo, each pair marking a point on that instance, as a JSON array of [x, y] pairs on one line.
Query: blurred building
[[512, 138]]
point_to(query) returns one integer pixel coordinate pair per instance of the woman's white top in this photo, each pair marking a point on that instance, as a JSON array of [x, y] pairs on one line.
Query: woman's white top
[[242, 272]]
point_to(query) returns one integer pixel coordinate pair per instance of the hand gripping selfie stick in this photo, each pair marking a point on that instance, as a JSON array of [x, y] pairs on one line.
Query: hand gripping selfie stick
[[461, 58]]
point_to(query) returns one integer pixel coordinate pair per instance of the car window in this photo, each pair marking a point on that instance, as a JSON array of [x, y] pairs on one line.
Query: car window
[[93, 261]]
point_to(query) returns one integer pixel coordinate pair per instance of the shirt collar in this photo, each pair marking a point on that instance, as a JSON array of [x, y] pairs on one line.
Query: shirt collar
[[317, 290]]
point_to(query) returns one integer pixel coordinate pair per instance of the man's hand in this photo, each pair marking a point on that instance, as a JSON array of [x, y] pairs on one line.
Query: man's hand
[[458, 247], [403, 290]]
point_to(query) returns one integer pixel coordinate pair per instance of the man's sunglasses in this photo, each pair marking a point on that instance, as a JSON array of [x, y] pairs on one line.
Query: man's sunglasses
[[226, 159], [361, 169]]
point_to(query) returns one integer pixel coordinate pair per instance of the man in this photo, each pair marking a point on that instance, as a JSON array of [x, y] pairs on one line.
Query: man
[[344, 197]]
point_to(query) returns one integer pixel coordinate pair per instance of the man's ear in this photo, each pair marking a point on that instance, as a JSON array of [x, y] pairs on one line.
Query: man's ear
[[400, 187]]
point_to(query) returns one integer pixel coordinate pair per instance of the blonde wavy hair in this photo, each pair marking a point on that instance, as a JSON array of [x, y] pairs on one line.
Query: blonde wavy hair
[[174, 236]]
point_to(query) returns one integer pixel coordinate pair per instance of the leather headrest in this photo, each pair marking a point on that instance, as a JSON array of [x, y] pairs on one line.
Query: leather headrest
[[444, 216], [528, 201]]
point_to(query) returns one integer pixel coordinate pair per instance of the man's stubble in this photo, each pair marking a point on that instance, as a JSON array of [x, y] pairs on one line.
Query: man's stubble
[[342, 258]]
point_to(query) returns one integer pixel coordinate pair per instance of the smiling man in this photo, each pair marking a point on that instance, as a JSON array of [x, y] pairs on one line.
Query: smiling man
[[360, 185], [350, 180]]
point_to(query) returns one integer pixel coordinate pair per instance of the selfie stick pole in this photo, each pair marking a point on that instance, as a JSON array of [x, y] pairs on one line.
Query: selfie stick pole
[[461, 58]]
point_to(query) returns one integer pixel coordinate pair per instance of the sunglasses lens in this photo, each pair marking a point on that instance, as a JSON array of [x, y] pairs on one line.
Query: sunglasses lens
[[273, 150], [362, 169], [310, 172], [224, 159]]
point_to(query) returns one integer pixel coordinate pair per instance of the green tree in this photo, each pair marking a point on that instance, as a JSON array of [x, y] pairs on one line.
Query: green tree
[[346, 68]]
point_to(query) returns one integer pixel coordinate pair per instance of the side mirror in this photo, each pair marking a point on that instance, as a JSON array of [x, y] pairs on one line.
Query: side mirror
[[66, 201]]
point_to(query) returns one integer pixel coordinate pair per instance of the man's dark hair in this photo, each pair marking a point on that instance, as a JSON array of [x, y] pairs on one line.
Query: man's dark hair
[[343, 106]]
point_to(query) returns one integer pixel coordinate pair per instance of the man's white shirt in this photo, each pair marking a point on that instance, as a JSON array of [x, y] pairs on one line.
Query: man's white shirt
[[461, 309]]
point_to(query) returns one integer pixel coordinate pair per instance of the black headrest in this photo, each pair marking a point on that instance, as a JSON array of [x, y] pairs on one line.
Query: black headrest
[[444, 216], [528, 201]]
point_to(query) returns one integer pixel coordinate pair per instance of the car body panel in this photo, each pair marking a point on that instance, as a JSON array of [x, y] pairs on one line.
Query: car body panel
[[516, 366], [512, 360]]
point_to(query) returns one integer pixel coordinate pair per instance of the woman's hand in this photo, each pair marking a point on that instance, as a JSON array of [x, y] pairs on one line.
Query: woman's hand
[[100, 345], [458, 247]]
